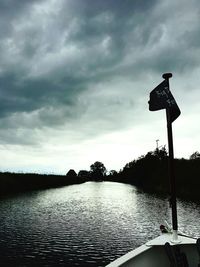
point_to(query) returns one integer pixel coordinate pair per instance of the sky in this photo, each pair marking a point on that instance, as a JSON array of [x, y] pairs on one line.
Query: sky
[[75, 78]]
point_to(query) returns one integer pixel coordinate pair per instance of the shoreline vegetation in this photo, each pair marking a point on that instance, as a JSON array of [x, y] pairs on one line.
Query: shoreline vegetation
[[149, 173]]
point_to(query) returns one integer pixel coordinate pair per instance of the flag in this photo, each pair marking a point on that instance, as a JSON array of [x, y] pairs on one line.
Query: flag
[[162, 98]]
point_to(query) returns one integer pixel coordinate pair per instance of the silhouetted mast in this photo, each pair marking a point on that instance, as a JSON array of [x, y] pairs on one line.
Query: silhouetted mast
[[171, 167], [161, 98]]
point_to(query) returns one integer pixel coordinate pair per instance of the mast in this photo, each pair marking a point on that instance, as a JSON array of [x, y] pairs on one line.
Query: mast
[[162, 98], [173, 201]]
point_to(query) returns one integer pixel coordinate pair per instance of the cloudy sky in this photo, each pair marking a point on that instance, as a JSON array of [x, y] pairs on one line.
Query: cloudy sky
[[75, 78]]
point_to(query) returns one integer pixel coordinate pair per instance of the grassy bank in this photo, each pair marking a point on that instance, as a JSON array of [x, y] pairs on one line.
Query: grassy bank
[[19, 182]]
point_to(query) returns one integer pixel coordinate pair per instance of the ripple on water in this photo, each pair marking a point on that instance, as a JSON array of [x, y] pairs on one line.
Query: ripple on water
[[89, 224]]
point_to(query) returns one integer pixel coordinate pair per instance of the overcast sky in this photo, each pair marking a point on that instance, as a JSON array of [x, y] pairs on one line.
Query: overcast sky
[[75, 78]]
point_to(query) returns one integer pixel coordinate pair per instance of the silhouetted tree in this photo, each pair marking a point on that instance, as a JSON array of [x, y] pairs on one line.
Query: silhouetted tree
[[147, 171], [71, 174], [195, 155], [130, 164], [97, 170], [85, 175], [161, 153], [112, 173]]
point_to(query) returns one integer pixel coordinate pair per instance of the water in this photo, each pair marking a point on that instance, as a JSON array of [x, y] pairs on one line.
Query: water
[[88, 224]]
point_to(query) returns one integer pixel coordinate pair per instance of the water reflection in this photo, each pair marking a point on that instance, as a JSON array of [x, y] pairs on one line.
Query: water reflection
[[83, 225]]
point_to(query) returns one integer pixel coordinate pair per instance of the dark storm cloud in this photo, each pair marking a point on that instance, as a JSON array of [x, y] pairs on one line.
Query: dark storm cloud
[[94, 22], [33, 94], [52, 52], [9, 10], [120, 8]]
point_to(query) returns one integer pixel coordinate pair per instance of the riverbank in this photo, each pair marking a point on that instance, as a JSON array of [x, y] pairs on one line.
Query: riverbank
[[11, 183], [149, 173], [187, 189]]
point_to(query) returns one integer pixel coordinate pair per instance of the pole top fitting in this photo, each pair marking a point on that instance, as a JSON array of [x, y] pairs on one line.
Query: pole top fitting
[[167, 76]]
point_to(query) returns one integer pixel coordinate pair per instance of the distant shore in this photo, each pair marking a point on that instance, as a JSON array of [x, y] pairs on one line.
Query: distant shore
[[148, 173], [11, 183]]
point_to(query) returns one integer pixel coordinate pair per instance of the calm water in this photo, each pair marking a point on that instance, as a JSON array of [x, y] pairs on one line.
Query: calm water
[[83, 225]]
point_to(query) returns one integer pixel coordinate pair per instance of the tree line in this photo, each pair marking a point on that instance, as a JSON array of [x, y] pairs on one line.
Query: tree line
[[149, 173]]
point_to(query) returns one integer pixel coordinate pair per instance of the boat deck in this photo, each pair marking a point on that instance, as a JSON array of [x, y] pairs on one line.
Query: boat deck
[[153, 253]]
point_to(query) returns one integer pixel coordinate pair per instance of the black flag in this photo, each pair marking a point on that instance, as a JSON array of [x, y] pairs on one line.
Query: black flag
[[162, 98]]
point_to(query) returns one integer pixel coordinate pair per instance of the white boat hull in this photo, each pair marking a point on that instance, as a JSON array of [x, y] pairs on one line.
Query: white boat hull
[[153, 253]]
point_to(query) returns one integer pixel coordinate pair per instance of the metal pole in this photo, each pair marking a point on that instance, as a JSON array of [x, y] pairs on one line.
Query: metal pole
[[166, 76], [157, 143]]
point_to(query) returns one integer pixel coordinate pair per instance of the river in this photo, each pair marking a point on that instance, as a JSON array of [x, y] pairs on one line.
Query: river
[[88, 224]]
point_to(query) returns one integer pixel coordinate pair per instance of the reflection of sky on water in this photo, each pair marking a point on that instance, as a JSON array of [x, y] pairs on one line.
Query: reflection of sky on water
[[91, 223]]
